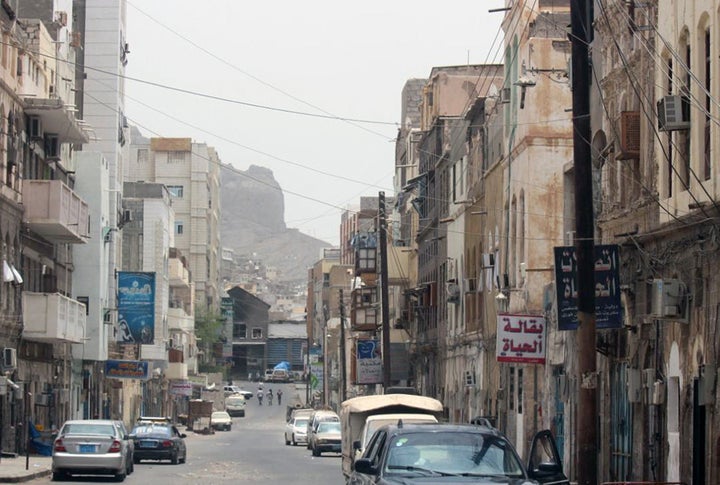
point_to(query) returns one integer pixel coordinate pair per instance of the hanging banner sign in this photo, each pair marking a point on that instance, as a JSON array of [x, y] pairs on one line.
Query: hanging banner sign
[[126, 369], [181, 388], [608, 309], [521, 339], [369, 362], [136, 307]]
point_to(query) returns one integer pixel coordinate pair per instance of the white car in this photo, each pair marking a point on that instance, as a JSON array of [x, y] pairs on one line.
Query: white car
[[296, 430], [221, 420], [230, 390]]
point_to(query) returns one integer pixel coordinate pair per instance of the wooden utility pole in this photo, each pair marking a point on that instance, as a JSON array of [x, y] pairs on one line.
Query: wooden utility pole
[[384, 303], [586, 425]]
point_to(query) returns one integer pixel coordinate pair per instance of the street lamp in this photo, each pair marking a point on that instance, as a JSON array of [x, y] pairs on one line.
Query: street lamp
[[501, 302]]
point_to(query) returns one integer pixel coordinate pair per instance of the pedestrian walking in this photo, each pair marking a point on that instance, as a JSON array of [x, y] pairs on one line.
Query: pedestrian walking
[[260, 396], [270, 397], [279, 396]]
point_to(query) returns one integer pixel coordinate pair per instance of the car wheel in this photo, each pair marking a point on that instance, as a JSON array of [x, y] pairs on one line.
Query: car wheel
[[292, 441], [59, 476], [229, 428], [184, 458], [174, 459], [287, 441], [120, 477], [136, 459], [132, 465]]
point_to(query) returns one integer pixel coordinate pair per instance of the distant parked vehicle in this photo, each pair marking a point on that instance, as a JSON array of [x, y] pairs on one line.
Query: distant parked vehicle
[[326, 437], [90, 446], [235, 405], [159, 442], [296, 431], [221, 420], [230, 390]]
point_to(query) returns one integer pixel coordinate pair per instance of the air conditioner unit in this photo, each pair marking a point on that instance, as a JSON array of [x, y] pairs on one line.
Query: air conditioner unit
[[673, 113], [453, 292], [667, 298], [505, 95], [9, 360], [470, 285], [35, 128], [108, 316], [42, 400], [52, 147], [657, 396]]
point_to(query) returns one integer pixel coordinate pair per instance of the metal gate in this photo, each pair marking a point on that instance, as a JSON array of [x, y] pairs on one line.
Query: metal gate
[[621, 421]]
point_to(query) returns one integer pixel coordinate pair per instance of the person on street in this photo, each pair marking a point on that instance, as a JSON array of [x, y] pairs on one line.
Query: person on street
[[260, 396], [279, 396], [270, 397]]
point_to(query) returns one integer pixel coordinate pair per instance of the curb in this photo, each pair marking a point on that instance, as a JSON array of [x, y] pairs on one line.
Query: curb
[[19, 478]]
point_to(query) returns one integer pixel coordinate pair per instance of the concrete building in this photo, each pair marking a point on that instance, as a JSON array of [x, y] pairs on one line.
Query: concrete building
[[190, 171]]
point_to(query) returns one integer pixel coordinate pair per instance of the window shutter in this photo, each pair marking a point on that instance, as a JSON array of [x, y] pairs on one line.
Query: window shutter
[[629, 135]]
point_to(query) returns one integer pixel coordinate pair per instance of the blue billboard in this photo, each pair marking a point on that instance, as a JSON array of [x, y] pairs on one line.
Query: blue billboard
[[126, 369], [136, 307]]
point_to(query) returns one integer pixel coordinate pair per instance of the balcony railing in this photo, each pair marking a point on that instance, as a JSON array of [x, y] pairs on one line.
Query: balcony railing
[[52, 317], [176, 370], [55, 211], [178, 273]]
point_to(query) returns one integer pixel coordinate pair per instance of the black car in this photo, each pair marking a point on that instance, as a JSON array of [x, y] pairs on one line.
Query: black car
[[158, 441], [449, 453]]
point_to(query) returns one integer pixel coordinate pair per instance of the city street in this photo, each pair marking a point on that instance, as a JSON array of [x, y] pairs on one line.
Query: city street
[[253, 452]]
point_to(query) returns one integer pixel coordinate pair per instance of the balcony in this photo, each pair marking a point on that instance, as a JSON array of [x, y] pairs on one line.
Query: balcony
[[179, 320], [57, 118], [52, 317], [178, 274], [364, 310], [176, 370], [55, 211]]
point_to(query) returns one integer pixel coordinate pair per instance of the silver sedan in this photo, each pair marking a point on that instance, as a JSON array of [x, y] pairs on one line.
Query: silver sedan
[[92, 447]]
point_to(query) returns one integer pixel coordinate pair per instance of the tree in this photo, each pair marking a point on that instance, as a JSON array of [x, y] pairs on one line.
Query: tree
[[208, 330]]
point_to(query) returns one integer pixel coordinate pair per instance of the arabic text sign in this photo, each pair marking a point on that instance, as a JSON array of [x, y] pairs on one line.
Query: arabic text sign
[[136, 307], [608, 310], [369, 362], [181, 388], [521, 338], [126, 369]]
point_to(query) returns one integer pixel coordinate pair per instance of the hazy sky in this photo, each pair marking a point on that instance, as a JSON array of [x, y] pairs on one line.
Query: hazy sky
[[328, 58]]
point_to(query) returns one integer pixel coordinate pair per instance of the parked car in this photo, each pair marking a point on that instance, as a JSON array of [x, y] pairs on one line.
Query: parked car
[[268, 375], [230, 390], [316, 418], [222, 420], [280, 375], [159, 441], [326, 438], [296, 430], [235, 405], [130, 445], [91, 446], [435, 453]]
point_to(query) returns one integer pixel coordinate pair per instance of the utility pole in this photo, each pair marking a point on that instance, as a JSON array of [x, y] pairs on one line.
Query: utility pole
[[586, 425], [343, 364], [384, 303]]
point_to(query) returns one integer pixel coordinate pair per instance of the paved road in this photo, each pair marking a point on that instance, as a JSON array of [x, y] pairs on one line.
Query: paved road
[[253, 452]]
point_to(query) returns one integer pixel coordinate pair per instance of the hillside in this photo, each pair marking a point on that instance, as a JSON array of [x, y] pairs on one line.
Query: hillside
[[253, 221]]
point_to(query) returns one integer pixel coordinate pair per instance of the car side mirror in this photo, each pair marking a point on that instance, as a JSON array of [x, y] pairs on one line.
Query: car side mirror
[[132, 436], [183, 435], [357, 445], [365, 465]]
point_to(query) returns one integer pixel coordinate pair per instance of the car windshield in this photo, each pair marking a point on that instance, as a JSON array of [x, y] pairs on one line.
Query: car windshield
[[89, 428], [453, 453], [328, 427], [220, 415], [302, 423], [154, 430]]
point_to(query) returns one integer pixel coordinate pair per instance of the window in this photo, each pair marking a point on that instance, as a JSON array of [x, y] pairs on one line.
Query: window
[[142, 155], [179, 228], [707, 145], [257, 333], [176, 157], [176, 191]]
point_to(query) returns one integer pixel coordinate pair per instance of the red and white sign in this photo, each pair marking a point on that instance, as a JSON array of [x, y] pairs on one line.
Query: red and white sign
[[181, 388], [521, 339]]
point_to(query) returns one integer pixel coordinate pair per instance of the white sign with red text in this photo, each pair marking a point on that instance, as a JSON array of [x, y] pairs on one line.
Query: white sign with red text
[[521, 339]]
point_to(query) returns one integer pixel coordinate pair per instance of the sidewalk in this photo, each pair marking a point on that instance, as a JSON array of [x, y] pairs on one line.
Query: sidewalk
[[12, 470]]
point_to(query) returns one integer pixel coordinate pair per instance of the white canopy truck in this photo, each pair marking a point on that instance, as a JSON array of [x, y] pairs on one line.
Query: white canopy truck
[[361, 416]]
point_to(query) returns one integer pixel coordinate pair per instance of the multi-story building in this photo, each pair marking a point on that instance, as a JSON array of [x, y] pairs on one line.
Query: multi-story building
[[190, 172]]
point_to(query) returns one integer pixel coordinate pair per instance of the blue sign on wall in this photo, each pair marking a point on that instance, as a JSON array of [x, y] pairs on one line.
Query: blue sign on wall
[[136, 307], [608, 308], [126, 369]]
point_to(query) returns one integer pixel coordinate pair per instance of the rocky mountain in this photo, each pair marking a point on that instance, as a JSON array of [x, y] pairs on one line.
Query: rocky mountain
[[253, 221]]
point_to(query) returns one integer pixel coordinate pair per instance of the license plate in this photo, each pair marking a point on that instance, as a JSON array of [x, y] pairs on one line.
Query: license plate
[[147, 444], [87, 448]]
